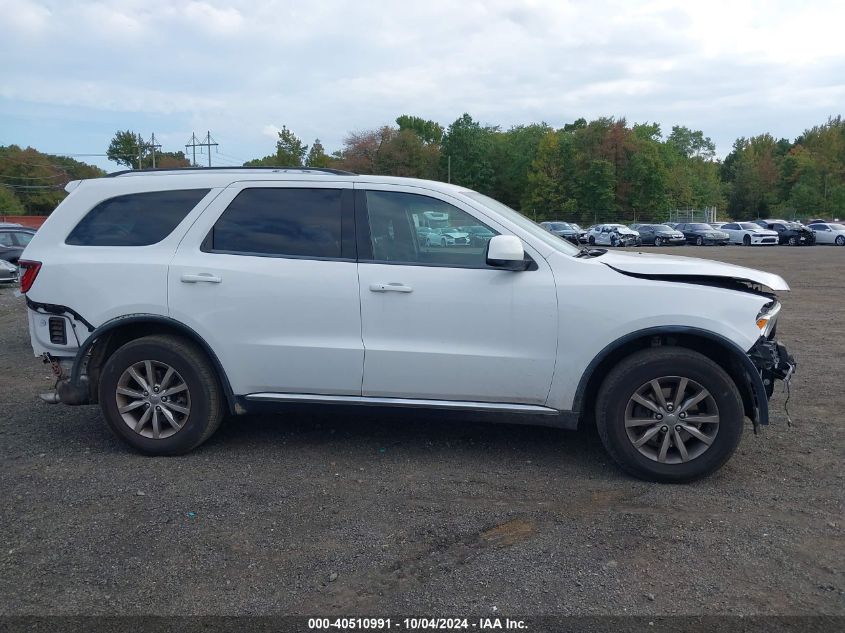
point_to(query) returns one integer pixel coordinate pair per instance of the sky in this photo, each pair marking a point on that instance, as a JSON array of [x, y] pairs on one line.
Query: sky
[[72, 73]]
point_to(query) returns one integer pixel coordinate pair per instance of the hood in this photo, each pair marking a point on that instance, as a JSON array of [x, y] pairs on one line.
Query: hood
[[763, 232], [667, 266]]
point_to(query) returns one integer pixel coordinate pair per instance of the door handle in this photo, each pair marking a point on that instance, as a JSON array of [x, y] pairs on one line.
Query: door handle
[[391, 287], [201, 277]]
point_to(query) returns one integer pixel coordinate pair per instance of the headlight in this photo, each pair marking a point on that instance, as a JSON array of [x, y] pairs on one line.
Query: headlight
[[768, 317]]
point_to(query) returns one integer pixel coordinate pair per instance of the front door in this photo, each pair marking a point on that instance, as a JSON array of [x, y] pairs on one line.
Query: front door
[[438, 322], [267, 276]]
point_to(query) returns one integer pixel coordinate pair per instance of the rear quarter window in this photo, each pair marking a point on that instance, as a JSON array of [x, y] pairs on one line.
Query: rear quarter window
[[136, 219]]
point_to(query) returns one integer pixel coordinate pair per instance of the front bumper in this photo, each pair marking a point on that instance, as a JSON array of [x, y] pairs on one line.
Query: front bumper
[[773, 362]]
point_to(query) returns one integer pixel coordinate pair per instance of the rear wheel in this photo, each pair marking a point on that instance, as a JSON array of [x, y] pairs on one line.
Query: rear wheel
[[793, 241], [161, 395], [658, 241], [669, 415], [699, 241], [746, 240], [840, 240]]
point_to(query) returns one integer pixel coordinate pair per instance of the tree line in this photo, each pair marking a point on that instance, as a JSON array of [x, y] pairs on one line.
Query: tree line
[[585, 171]]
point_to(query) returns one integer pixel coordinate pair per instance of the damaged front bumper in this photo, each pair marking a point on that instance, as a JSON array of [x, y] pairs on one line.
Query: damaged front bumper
[[773, 362]]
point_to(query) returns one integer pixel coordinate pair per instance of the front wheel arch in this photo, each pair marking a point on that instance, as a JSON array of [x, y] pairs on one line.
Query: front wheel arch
[[730, 357]]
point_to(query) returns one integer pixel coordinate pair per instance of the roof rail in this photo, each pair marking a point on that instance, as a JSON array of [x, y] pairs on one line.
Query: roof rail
[[318, 170]]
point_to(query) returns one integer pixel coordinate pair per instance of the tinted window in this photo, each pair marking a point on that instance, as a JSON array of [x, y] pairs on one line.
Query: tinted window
[[6, 239], [749, 226], [137, 219], [730, 227], [23, 238], [281, 221], [397, 230]]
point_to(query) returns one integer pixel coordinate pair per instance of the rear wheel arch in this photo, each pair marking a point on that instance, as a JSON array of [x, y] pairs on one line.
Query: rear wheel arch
[[110, 336], [717, 348]]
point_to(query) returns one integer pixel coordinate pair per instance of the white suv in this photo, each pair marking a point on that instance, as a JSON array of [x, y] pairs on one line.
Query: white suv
[[175, 298]]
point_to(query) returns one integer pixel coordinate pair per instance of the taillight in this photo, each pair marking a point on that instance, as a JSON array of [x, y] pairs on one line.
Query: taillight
[[30, 272]]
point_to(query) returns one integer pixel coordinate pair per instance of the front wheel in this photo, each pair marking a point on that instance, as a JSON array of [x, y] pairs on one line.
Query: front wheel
[[658, 241], [699, 241], [746, 241], [793, 241], [161, 395], [669, 415], [591, 240]]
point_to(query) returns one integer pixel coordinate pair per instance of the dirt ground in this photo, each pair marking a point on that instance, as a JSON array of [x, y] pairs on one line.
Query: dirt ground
[[388, 512]]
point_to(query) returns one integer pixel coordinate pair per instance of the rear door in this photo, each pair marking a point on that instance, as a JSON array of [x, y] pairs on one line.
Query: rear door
[[267, 276]]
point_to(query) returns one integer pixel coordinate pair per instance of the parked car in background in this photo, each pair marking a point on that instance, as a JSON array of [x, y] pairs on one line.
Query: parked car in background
[[672, 225], [717, 225], [450, 236], [13, 239], [176, 297], [816, 221], [792, 233], [701, 234], [426, 234], [581, 232], [613, 235], [749, 234], [8, 272], [563, 229], [478, 235], [660, 235], [829, 233]]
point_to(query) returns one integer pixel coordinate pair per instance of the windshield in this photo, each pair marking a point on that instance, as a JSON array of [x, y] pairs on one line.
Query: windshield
[[748, 226], [795, 225], [701, 227], [559, 226], [837, 227], [524, 223]]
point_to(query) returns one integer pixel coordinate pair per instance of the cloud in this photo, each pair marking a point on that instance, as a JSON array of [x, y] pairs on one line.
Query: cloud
[[324, 68]]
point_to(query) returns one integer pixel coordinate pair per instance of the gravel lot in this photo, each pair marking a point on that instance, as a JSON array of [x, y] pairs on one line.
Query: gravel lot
[[397, 513]]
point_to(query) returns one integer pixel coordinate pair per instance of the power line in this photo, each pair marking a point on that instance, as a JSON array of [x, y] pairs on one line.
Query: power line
[[194, 143]]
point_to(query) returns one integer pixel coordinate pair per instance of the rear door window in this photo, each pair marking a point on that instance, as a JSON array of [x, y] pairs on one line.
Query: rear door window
[[282, 222], [136, 219]]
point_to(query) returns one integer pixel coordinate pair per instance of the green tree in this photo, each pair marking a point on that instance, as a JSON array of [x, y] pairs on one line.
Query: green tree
[[123, 149], [429, 131], [10, 204], [466, 153], [597, 188], [290, 152], [317, 156]]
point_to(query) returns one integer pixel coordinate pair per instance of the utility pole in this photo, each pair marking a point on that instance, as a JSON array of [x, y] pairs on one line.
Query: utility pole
[[153, 145], [195, 143], [449, 168], [140, 149]]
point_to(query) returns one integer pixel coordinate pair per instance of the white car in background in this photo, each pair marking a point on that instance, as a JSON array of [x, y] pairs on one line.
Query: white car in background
[[749, 234], [829, 233], [613, 235]]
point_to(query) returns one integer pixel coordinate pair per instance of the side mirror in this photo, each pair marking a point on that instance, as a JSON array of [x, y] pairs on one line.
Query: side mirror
[[505, 251]]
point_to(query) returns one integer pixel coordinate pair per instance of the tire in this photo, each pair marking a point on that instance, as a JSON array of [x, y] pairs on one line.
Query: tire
[[443, 242], [840, 240], [793, 241], [591, 240], [633, 374], [202, 396], [658, 241], [746, 240], [699, 241]]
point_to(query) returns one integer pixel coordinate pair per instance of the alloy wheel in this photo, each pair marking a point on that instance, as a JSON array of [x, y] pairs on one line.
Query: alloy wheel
[[671, 419], [658, 241], [153, 399], [840, 240]]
